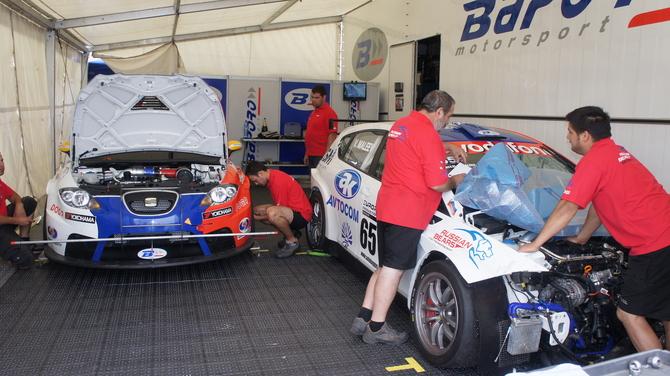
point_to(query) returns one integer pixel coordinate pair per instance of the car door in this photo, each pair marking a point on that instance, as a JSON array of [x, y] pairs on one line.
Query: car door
[[359, 184]]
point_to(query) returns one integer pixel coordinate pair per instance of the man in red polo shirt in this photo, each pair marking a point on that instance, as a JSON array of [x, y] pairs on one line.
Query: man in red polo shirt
[[18, 213], [291, 210], [412, 185], [319, 135], [634, 208]]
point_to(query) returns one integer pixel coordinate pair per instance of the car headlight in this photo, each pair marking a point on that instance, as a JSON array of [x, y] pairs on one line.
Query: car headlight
[[219, 195], [78, 198]]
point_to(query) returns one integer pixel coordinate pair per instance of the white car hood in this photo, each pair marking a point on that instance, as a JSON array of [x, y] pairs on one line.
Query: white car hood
[[127, 113]]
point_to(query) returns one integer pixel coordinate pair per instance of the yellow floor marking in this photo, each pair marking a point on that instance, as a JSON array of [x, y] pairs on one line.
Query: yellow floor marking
[[411, 364]]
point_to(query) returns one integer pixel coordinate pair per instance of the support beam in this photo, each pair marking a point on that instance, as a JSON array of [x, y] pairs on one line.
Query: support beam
[[216, 33]]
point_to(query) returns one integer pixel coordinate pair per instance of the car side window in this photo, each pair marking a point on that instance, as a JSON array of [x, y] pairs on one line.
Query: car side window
[[359, 149]]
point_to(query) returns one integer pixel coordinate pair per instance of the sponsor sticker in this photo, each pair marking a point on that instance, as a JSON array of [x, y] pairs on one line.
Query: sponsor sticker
[[348, 183], [217, 213], [152, 253], [80, 218]]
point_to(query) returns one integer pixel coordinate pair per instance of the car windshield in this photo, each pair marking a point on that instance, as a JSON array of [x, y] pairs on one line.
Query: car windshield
[[531, 155]]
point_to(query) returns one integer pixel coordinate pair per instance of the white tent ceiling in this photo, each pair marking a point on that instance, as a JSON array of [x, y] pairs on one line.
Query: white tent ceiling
[[101, 25]]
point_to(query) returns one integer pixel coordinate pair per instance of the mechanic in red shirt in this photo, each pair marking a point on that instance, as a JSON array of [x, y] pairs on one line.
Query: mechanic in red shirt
[[412, 185], [319, 135], [18, 213], [291, 210], [634, 208]]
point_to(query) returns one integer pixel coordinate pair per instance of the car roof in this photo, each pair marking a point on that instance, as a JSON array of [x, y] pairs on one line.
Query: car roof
[[459, 131], [125, 113]]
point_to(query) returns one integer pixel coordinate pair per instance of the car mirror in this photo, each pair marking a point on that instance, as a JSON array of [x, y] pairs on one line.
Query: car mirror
[[64, 147], [234, 146]]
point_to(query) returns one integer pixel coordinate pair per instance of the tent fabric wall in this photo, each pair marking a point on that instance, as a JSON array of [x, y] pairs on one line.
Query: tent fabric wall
[[25, 104], [310, 51]]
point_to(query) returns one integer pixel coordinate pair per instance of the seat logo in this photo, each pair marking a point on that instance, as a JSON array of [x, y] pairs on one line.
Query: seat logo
[[348, 183]]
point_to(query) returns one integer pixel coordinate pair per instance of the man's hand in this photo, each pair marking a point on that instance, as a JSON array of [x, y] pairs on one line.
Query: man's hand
[[528, 248], [456, 151], [305, 160]]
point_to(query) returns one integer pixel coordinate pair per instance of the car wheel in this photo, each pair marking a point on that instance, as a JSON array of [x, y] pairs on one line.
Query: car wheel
[[316, 228], [445, 322]]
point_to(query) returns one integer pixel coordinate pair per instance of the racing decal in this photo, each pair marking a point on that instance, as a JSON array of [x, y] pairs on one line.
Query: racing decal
[[217, 213], [54, 208], [328, 157], [369, 260], [347, 236], [80, 218], [344, 208], [152, 253], [479, 248], [348, 183], [244, 201], [368, 236], [53, 234], [362, 145], [475, 147], [244, 226], [453, 209], [370, 209]]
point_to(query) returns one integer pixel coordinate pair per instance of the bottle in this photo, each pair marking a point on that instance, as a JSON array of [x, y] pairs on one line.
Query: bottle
[[265, 125]]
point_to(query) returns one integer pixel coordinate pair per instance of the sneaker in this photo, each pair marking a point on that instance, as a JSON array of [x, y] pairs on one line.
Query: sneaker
[[358, 327], [296, 233], [384, 335], [287, 250]]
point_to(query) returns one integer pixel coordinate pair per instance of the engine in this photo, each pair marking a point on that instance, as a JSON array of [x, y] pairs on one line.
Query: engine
[[154, 175], [574, 300]]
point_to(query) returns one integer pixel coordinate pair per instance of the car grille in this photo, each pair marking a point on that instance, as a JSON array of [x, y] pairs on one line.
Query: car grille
[[123, 239], [150, 202]]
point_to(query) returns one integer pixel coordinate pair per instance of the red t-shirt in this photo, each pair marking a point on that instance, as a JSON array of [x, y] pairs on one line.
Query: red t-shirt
[[285, 191], [415, 159], [632, 205], [5, 193], [318, 129]]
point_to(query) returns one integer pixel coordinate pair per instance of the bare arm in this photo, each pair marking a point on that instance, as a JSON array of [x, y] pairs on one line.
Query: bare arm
[[19, 218], [456, 151], [331, 139], [557, 221], [452, 183], [590, 226]]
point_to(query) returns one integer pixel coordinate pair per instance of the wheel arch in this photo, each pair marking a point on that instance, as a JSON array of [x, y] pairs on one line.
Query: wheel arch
[[490, 302]]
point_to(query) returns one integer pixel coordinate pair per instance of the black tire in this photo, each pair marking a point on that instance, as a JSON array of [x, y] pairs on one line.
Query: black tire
[[316, 228], [445, 321]]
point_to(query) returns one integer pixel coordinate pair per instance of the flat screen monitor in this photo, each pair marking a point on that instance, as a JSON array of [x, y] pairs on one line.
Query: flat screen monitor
[[355, 91]]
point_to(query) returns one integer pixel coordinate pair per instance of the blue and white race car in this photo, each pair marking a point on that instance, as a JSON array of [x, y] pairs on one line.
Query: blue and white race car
[[148, 181], [474, 300]]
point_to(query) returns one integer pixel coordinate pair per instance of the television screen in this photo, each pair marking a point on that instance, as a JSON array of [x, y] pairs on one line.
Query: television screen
[[355, 91]]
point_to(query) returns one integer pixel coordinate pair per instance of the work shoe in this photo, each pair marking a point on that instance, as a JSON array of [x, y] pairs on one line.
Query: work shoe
[[358, 327], [384, 335], [287, 250], [296, 233]]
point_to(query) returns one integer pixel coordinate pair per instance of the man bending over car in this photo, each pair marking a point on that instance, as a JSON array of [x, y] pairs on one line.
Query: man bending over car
[[634, 208]]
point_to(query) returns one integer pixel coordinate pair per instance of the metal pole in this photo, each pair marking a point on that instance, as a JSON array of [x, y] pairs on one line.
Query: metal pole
[[120, 239]]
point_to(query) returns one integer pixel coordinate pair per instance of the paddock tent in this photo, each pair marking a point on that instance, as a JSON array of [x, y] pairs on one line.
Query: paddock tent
[[46, 43], [520, 65]]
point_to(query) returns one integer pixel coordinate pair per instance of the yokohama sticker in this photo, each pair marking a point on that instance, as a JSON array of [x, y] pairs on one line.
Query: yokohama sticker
[[217, 213], [79, 217]]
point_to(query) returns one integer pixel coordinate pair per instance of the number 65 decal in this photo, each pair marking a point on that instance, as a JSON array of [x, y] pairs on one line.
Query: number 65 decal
[[369, 236]]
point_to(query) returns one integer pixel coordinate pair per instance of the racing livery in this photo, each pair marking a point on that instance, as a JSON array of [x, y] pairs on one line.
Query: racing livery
[[474, 300], [148, 181]]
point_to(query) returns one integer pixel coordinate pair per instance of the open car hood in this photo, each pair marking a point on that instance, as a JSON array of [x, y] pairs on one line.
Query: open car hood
[[127, 113]]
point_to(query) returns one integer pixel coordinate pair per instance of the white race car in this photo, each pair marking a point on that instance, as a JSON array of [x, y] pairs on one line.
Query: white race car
[[474, 300], [148, 181]]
